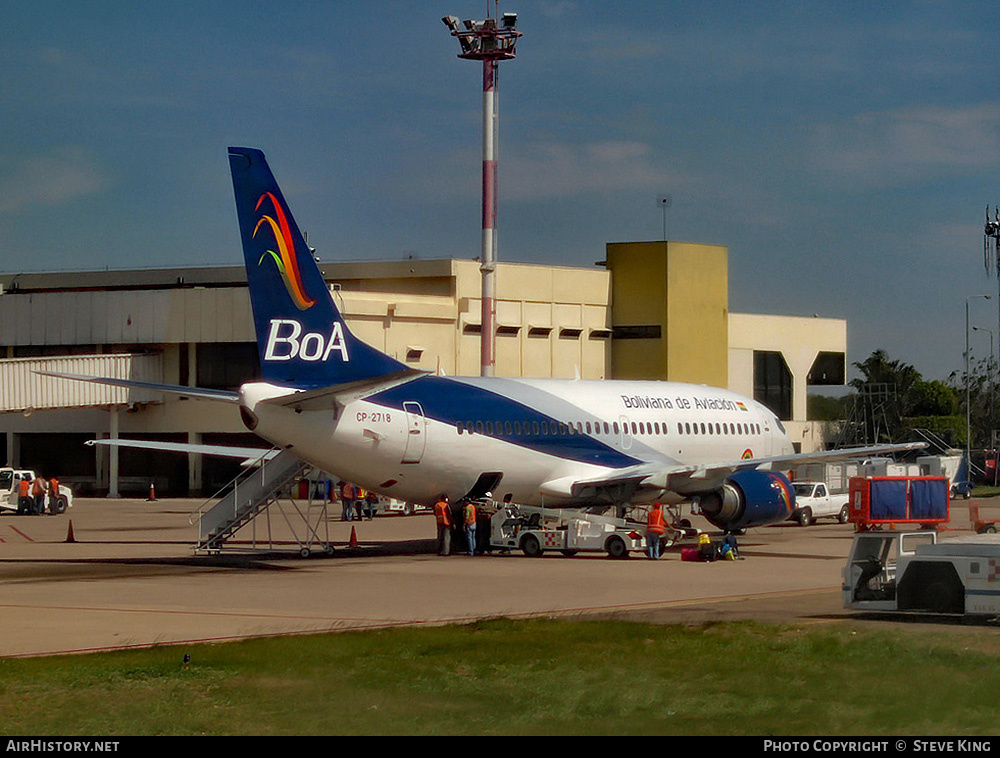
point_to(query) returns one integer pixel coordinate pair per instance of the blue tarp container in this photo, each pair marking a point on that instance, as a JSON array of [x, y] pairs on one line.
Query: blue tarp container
[[898, 499], [929, 499], [888, 499]]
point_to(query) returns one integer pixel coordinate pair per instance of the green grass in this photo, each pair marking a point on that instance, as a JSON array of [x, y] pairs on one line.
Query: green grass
[[523, 677], [985, 490]]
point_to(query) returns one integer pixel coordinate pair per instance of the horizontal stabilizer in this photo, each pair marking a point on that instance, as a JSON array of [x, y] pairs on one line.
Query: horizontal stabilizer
[[249, 455], [197, 393], [338, 395]]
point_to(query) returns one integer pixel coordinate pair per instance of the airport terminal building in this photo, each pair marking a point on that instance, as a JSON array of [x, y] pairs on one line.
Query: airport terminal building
[[651, 310]]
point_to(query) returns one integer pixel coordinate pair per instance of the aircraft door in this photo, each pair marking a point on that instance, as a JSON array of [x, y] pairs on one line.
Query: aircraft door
[[416, 427], [768, 437]]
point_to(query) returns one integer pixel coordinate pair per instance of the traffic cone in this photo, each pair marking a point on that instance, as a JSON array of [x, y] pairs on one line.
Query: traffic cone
[[354, 538], [69, 532], [152, 493]]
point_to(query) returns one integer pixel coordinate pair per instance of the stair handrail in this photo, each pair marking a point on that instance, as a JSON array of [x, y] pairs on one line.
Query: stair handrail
[[934, 439], [251, 469]]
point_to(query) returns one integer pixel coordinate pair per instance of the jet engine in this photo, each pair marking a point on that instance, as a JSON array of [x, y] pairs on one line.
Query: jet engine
[[749, 498]]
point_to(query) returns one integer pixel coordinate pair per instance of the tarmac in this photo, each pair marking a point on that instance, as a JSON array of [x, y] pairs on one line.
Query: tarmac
[[118, 574]]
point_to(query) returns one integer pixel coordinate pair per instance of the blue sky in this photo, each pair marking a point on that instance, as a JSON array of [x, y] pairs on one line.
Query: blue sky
[[844, 152]]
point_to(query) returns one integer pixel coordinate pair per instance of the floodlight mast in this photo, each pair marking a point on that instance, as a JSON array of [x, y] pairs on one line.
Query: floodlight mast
[[991, 249], [489, 42]]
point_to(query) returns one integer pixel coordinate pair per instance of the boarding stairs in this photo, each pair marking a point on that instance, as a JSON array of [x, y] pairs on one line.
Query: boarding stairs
[[252, 494], [945, 449], [934, 441]]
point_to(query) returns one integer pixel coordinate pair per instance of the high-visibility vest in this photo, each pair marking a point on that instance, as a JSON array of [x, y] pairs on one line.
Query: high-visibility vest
[[54, 487], [470, 514], [22, 488], [441, 513], [655, 523], [38, 486]]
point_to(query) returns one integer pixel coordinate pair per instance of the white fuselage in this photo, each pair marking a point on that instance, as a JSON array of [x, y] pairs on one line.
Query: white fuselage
[[439, 435]]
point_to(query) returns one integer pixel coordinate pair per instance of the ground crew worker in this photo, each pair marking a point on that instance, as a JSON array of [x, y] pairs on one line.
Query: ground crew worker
[[53, 495], [24, 496], [470, 526], [38, 490], [360, 494], [655, 529], [347, 501], [442, 513]]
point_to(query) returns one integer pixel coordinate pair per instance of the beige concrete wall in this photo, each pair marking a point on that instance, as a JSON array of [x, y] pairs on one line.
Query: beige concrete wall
[[800, 341], [552, 321], [416, 311]]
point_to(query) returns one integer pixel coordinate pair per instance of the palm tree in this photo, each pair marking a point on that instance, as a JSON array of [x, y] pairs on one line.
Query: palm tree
[[884, 398]]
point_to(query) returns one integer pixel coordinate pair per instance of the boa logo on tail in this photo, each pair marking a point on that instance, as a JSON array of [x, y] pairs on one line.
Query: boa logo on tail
[[284, 258]]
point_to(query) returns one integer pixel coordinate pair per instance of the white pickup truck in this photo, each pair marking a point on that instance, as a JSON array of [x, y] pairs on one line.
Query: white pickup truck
[[10, 480], [813, 500]]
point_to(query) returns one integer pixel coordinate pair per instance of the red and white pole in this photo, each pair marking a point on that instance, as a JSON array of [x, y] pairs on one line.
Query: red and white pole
[[490, 41], [488, 264]]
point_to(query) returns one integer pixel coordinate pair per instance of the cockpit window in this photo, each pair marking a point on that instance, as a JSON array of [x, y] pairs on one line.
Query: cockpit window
[[780, 425]]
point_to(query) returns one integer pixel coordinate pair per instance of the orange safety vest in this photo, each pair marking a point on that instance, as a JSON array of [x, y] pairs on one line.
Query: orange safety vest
[[655, 523], [441, 513], [37, 487], [470, 514], [22, 488]]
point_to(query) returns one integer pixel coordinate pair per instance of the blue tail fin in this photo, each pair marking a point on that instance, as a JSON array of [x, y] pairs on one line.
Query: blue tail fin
[[302, 337]]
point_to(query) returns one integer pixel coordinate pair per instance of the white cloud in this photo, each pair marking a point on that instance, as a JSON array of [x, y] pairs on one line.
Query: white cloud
[[547, 170], [60, 176], [556, 8], [901, 145]]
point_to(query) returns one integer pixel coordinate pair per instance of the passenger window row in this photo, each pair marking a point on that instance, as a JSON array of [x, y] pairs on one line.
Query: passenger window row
[[717, 428], [536, 428], [558, 428]]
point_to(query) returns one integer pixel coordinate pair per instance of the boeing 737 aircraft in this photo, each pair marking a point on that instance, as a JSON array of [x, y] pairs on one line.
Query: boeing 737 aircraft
[[349, 409]]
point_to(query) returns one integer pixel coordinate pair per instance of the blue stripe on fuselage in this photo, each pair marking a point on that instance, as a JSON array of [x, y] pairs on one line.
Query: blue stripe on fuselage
[[452, 402]]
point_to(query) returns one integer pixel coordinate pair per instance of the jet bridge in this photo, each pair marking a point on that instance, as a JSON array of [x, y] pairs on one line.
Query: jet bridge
[[252, 494]]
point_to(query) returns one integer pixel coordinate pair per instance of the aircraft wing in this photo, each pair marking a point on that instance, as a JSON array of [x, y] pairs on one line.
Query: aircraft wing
[[687, 479], [196, 393], [682, 478]]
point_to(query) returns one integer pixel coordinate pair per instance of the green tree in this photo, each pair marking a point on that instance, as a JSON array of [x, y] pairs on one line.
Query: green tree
[[983, 399], [934, 398], [878, 369], [826, 408], [892, 399], [884, 397]]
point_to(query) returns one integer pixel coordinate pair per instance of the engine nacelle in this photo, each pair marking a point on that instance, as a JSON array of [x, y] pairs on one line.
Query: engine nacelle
[[749, 498]]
